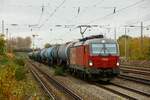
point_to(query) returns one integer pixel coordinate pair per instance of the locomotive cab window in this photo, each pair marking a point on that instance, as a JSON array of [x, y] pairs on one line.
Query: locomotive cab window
[[111, 49], [103, 49], [97, 49]]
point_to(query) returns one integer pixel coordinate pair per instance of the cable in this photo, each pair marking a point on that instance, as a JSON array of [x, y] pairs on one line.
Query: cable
[[55, 10], [40, 18], [116, 11], [84, 10]]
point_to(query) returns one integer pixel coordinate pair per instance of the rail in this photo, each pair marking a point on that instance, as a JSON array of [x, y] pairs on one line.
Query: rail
[[58, 85]]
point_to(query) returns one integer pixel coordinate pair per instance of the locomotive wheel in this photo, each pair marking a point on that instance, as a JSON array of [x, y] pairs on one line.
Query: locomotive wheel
[[49, 63], [71, 70], [78, 73], [83, 76]]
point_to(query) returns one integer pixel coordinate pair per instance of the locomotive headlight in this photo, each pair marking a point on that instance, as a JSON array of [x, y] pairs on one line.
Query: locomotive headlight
[[117, 64], [90, 63]]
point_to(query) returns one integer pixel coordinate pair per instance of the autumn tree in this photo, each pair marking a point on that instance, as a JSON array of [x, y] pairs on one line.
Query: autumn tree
[[47, 45], [121, 41], [19, 43], [133, 47], [148, 54]]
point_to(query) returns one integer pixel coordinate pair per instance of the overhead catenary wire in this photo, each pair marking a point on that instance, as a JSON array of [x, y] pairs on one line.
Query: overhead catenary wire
[[42, 11], [94, 5], [116, 11], [51, 14]]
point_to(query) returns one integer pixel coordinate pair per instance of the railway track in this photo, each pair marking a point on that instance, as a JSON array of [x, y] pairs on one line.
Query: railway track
[[139, 66], [71, 94], [125, 92], [135, 70], [132, 89], [134, 79], [43, 84], [115, 91], [144, 72], [76, 97]]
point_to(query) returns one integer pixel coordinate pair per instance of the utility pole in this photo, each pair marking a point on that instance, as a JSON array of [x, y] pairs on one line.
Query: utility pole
[[115, 31], [10, 42], [2, 26], [7, 40], [125, 43], [34, 35], [6, 33], [141, 37], [33, 42]]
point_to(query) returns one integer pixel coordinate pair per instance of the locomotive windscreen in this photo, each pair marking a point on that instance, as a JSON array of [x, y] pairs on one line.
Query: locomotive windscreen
[[104, 49]]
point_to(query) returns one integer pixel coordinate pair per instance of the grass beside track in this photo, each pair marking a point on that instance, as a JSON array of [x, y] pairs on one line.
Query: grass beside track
[[14, 79]]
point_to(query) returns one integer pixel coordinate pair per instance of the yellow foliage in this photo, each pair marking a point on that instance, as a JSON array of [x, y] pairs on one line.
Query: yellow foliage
[[10, 55], [10, 88], [135, 51]]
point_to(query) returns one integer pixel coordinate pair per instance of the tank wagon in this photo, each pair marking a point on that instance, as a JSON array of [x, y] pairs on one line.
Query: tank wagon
[[35, 55], [54, 54], [30, 55], [43, 55], [64, 52], [49, 58], [92, 57], [38, 56]]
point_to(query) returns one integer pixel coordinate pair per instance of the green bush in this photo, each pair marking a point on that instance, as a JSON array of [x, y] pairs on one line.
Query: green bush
[[2, 45], [59, 71], [19, 61], [20, 70], [20, 73], [4, 60]]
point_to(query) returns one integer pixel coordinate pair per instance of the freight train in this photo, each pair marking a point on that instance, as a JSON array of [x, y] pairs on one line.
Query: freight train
[[93, 57]]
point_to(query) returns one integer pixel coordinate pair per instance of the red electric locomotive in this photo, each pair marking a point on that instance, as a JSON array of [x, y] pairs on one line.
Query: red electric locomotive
[[95, 57]]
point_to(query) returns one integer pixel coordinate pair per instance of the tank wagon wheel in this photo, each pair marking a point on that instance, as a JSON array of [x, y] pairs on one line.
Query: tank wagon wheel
[[49, 63], [82, 74], [108, 80], [79, 73], [71, 71], [45, 61], [75, 72]]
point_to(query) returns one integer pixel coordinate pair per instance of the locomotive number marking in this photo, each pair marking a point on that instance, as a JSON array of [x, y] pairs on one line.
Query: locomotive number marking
[[105, 59]]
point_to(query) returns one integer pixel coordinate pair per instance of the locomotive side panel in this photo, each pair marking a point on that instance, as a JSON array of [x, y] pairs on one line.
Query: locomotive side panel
[[86, 56], [80, 56]]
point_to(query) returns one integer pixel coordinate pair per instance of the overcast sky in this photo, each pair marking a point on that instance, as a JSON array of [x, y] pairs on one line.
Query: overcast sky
[[44, 15]]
